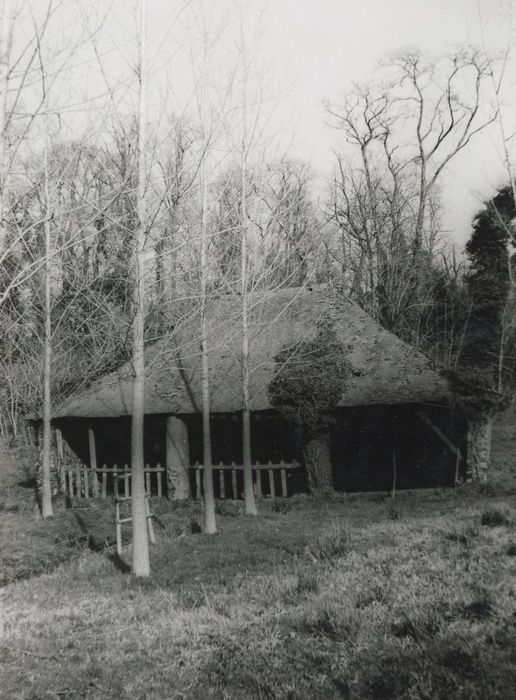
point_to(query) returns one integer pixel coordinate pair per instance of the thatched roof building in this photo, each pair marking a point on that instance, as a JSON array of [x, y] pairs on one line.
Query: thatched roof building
[[385, 369], [395, 407]]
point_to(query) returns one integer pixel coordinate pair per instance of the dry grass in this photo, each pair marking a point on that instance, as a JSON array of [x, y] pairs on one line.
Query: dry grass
[[359, 598], [328, 601]]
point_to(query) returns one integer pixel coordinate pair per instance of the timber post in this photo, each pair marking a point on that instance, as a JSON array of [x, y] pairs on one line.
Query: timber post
[[92, 448], [93, 461], [60, 460], [177, 459]]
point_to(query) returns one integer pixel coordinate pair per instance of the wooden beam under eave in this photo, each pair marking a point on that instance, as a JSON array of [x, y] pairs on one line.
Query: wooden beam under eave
[[60, 459]]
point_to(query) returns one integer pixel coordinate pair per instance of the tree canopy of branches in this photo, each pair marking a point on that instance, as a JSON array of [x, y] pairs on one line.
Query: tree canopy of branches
[[400, 133]]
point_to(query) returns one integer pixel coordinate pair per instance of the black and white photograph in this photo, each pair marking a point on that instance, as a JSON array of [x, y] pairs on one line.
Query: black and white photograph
[[257, 349]]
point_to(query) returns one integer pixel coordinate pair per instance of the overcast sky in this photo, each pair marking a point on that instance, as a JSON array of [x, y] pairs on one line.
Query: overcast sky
[[323, 47], [315, 50]]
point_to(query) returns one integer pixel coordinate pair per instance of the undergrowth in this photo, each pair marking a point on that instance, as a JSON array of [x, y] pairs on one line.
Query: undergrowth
[[322, 601]]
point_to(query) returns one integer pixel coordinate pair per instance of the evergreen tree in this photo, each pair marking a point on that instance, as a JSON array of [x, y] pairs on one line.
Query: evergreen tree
[[481, 382], [488, 284]]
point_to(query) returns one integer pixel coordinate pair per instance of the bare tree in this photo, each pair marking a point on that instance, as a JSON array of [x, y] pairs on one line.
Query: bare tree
[[402, 134], [46, 491], [446, 115], [249, 499], [5, 46], [210, 523], [141, 561]]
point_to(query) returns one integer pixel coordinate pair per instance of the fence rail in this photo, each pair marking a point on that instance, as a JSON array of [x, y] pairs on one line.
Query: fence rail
[[257, 470], [82, 482]]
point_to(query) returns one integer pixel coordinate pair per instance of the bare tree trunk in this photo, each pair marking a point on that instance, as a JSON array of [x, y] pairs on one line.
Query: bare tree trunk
[[479, 448], [141, 562], [5, 41], [249, 499], [318, 465], [46, 488], [210, 522]]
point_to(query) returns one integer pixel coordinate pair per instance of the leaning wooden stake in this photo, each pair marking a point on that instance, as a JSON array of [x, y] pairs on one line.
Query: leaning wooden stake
[[150, 526], [119, 521]]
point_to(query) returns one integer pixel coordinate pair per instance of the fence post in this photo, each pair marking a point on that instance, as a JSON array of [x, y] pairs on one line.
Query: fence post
[[70, 483], [160, 483], [258, 479], [197, 481], [127, 476], [104, 481], [119, 547], [222, 483], [60, 461], [271, 483], [283, 481], [78, 479], [147, 480], [93, 461], [115, 480]]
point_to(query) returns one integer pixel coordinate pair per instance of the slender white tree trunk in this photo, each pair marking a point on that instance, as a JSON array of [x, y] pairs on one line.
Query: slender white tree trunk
[[5, 41], [210, 522], [249, 499], [141, 562], [46, 489]]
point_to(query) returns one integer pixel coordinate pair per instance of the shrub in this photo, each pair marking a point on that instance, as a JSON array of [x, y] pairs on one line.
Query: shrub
[[281, 505], [419, 625], [393, 513], [192, 598], [333, 542], [307, 582], [479, 609], [368, 596], [463, 536], [331, 620], [229, 509], [495, 516], [440, 670]]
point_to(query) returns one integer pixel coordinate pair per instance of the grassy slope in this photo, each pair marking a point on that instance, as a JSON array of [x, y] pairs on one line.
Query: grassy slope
[[349, 599]]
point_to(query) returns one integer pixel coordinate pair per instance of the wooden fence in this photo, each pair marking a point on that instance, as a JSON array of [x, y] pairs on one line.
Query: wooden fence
[[220, 472], [80, 481]]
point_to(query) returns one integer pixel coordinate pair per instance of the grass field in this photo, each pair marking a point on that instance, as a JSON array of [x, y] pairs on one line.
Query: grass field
[[356, 598]]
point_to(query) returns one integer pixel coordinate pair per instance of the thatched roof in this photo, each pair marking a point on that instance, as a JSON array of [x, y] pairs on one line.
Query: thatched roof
[[385, 369]]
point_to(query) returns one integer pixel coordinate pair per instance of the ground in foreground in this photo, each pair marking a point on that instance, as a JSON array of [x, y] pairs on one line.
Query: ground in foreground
[[360, 598]]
